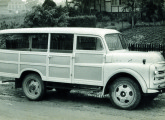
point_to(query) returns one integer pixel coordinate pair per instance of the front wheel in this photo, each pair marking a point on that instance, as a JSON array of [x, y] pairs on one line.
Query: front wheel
[[125, 93], [33, 87]]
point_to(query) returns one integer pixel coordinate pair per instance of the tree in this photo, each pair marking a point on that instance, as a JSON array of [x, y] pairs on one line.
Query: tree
[[131, 5], [49, 3], [41, 17], [152, 10], [84, 5]]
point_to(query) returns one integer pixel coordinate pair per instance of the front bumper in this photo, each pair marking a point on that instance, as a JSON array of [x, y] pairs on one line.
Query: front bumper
[[156, 91]]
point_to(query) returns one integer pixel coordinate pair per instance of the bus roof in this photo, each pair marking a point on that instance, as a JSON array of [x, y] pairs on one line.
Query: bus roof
[[67, 30]]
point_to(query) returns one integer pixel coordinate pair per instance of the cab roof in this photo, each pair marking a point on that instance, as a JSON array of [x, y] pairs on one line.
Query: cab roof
[[67, 30]]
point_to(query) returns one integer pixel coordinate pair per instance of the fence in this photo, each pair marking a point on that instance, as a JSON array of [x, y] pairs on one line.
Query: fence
[[147, 47]]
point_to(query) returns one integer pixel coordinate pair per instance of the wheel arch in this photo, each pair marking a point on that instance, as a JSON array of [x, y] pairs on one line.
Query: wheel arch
[[25, 72], [132, 75]]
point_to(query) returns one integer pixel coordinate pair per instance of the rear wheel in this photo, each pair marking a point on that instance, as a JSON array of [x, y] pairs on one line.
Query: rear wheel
[[125, 93], [33, 87]]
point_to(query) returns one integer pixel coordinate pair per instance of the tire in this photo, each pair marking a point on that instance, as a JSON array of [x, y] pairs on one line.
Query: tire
[[33, 87], [125, 93]]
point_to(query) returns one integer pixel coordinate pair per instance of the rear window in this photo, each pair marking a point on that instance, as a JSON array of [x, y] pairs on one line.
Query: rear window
[[24, 42]]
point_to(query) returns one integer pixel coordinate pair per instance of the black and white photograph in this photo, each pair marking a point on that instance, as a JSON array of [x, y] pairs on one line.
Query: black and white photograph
[[82, 59]]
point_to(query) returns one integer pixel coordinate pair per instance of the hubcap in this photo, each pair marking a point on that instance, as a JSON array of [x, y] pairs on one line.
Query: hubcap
[[124, 94], [33, 87]]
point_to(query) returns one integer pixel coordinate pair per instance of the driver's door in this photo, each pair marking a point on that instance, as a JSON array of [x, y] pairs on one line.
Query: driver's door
[[88, 60]]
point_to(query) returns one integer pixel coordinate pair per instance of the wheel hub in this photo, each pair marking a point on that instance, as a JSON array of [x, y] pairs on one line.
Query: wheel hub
[[124, 94], [33, 87]]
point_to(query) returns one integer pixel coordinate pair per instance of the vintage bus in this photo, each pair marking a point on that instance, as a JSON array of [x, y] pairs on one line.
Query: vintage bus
[[74, 58]]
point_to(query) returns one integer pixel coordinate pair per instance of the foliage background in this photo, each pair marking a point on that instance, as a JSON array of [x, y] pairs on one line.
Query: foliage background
[[148, 29]]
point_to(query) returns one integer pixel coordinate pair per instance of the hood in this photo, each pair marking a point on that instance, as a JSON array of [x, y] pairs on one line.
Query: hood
[[123, 56]]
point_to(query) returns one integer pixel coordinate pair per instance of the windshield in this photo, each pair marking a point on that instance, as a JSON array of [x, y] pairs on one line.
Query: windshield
[[115, 42]]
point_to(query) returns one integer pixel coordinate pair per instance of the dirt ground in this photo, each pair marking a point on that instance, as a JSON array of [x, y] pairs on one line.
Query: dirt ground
[[78, 105]]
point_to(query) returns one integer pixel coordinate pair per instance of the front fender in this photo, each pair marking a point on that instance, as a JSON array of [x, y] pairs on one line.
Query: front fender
[[131, 72]]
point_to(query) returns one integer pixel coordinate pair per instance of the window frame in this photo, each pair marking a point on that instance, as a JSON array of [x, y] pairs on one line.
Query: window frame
[[117, 2]]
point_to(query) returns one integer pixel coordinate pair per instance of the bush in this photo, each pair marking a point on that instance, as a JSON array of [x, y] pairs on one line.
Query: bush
[[50, 17], [105, 19], [4, 25], [73, 12], [99, 16], [82, 21]]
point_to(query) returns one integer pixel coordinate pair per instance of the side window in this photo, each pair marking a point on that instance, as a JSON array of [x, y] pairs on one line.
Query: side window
[[89, 43], [38, 42], [24, 42], [61, 43], [14, 41]]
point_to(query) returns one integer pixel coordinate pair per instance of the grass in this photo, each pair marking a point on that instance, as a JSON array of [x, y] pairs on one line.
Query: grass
[[146, 35]]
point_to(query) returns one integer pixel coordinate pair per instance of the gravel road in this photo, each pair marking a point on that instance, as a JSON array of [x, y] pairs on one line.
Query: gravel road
[[78, 105]]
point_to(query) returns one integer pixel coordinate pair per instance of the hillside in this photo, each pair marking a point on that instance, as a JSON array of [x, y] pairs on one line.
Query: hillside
[[146, 34]]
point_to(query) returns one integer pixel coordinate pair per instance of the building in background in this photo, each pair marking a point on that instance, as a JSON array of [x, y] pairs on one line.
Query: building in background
[[108, 5], [16, 6], [12, 6], [112, 5], [4, 6]]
